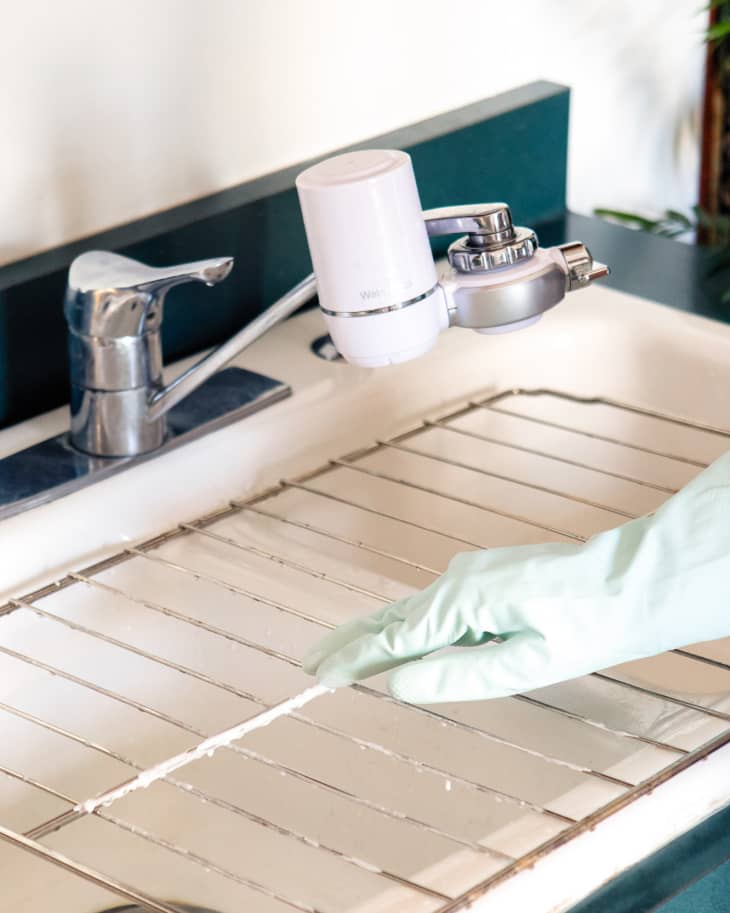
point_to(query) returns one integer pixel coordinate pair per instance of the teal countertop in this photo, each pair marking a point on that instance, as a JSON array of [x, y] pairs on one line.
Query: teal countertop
[[710, 894], [669, 272], [694, 871]]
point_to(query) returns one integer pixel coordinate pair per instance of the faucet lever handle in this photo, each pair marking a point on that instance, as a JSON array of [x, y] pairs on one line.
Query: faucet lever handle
[[485, 223], [109, 295]]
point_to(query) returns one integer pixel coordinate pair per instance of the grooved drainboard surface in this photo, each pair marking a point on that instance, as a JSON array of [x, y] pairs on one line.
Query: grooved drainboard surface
[[356, 802]]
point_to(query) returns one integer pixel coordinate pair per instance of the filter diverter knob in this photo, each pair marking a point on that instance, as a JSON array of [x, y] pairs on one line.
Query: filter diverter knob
[[492, 240]]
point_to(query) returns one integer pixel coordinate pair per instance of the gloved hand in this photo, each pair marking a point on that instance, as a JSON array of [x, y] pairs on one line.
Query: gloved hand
[[560, 610]]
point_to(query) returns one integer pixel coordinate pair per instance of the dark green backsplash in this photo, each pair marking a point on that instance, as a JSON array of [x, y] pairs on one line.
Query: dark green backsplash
[[512, 147]]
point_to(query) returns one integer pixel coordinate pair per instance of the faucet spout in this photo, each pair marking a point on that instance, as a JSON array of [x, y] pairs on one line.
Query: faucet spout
[[211, 272], [163, 400]]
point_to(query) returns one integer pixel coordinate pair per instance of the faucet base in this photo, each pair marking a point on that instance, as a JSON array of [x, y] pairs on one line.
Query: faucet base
[[53, 468], [114, 423]]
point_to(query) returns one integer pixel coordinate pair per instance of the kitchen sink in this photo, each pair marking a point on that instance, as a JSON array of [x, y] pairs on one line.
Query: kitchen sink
[[173, 600]]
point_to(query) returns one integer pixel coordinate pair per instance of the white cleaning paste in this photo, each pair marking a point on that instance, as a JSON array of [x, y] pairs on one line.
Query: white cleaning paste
[[207, 747]]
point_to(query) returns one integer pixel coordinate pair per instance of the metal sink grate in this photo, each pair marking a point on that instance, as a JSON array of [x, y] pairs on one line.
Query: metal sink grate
[[377, 803]]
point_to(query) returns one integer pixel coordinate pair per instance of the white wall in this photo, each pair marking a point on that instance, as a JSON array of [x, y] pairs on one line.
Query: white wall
[[111, 109]]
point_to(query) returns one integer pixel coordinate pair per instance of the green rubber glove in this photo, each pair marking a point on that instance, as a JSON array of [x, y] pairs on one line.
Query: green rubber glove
[[560, 610]]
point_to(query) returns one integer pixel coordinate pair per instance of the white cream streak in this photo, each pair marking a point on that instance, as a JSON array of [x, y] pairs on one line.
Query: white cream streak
[[207, 747]]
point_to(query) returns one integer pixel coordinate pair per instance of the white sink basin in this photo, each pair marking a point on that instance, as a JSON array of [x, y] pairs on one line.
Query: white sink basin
[[361, 804]]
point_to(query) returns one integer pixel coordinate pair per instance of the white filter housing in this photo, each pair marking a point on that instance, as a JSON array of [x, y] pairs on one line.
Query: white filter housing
[[376, 278]]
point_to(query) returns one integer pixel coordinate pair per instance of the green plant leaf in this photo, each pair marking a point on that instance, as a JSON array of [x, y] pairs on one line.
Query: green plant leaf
[[680, 218], [632, 219], [717, 223], [718, 31], [704, 218], [671, 225], [670, 231]]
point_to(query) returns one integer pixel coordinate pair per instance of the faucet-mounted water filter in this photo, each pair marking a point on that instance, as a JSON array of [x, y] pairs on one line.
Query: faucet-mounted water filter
[[376, 278], [368, 239]]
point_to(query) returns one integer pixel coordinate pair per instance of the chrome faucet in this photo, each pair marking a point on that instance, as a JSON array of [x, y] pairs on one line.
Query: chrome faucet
[[114, 309]]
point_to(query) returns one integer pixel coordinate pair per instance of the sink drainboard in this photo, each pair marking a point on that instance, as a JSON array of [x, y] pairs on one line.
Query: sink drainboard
[[357, 799]]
